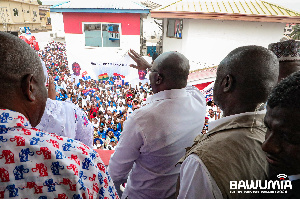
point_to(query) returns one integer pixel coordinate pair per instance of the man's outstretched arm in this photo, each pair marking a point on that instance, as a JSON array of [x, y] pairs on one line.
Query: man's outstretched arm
[[142, 64]]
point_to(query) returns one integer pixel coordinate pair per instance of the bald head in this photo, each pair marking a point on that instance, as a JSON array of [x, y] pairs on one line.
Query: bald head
[[246, 76], [170, 70], [22, 78]]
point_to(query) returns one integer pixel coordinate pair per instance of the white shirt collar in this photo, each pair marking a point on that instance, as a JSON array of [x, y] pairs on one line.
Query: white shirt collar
[[167, 94]]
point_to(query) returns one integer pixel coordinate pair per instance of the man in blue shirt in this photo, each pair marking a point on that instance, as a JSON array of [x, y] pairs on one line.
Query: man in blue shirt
[[102, 132]]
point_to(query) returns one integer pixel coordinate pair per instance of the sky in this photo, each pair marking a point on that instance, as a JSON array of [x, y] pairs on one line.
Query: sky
[[291, 4]]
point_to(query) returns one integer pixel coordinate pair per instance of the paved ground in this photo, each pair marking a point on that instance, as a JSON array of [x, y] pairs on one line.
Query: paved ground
[[43, 38]]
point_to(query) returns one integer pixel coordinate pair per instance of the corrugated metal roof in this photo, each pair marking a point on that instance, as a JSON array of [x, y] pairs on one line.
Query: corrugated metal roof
[[247, 7], [150, 4], [101, 4]]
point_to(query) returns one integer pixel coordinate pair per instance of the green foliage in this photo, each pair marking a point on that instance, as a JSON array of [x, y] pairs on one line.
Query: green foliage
[[39, 2], [296, 32]]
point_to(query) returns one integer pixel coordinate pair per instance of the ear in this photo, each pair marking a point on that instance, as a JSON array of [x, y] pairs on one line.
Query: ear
[[227, 83], [28, 87], [159, 79]]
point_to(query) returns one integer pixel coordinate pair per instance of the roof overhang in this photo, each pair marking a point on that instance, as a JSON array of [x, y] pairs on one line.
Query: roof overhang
[[224, 16], [98, 10]]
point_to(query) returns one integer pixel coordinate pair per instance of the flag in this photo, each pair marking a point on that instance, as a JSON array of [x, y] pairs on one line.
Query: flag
[[103, 76], [85, 76]]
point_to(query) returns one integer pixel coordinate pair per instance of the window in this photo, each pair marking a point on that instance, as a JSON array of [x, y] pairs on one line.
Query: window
[[174, 28], [16, 12], [102, 34]]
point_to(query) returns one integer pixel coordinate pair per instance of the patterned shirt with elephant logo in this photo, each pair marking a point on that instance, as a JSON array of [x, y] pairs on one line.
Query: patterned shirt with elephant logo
[[37, 164]]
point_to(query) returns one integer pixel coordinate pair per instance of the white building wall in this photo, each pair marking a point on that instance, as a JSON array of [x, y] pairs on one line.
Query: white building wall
[[78, 52], [57, 23], [76, 47], [209, 41]]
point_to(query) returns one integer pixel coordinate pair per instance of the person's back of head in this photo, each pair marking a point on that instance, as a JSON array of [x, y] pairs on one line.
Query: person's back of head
[[244, 79], [169, 71], [22, 78], [288, 54]]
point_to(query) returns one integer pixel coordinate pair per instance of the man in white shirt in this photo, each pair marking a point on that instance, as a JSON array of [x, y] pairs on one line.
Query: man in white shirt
[[231, 150], [155, 136]]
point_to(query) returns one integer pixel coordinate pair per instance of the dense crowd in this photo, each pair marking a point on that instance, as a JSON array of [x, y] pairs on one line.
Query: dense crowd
[[107, 103]]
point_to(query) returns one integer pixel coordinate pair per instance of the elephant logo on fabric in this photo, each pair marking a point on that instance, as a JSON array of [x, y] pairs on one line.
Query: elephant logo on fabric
[[26, 131], [41, 168], [92, 178], [18, 172], [83, 150], [56, 136], [3, 129], [59, 154], [67, 146], [4, 117], [13, 191], [67, 181], [96, 187], [46, 152], [55, 167], [35, 141], [101, 167], [74, 168], [81, 176], [75, 158], [4, 175], [37, 189], [86, 163], [76, 196], [8, 155], [93, 155], [40, 134], [90, 194], [54, 143], [24, 154], [19, 139], [50, 184], [62, 196]]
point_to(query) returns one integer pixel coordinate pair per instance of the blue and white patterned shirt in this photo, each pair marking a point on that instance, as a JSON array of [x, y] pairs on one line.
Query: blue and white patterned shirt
[[36, 164]]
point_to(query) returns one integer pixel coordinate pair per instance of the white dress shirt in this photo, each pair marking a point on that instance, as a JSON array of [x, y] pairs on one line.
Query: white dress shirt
[[154, 139], [67, 119], [196, 181]]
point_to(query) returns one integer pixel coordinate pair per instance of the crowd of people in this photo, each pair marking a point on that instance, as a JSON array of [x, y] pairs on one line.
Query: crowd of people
[[107, 103]]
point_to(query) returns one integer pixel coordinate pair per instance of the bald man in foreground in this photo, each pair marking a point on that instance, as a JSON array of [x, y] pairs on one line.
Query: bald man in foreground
[[155, 136], [34, 163], [231, 150]]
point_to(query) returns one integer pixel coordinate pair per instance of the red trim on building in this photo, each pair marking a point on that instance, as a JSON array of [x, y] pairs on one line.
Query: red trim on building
[[130, 22]]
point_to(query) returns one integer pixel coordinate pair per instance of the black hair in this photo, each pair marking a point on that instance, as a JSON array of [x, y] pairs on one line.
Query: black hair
[[287, 93]]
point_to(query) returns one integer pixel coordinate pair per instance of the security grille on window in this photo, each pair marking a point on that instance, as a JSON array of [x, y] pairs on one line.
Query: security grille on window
[[174, 28], [102, 34]]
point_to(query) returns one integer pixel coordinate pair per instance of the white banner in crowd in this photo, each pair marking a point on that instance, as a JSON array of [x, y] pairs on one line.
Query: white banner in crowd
[[85, 68]]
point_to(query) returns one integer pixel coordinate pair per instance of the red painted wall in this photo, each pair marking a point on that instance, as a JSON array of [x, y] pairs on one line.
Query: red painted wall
[[130, 22]]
